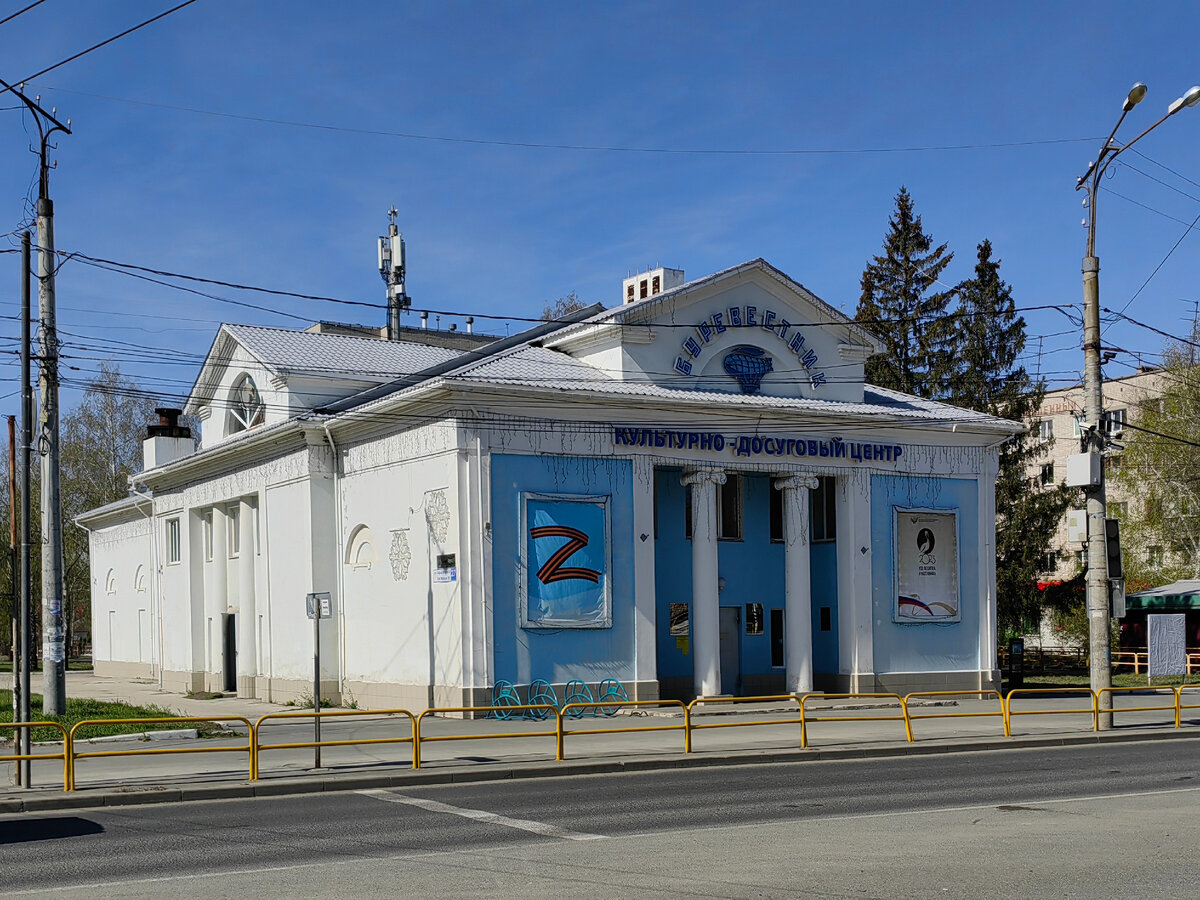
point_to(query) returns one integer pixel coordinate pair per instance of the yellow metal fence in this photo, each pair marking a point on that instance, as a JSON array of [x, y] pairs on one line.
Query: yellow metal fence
[[909, 708]]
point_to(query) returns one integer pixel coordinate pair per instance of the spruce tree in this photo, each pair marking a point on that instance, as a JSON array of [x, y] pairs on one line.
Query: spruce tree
[[900, 306], [988, 378]]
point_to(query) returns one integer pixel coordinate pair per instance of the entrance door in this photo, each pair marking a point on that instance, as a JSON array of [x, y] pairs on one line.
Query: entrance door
[[229, 662], [731, 657]]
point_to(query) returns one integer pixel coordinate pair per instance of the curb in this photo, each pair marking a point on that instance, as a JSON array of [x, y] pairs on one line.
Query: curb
[[340, 783]]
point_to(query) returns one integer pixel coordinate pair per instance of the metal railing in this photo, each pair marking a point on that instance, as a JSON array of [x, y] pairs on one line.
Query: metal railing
[[420, 738], [981, 694], [65, 755], [685, 726], [1092, 710], [74, 755], [692, 721], [772, 698], [259, 747], [805, 718]]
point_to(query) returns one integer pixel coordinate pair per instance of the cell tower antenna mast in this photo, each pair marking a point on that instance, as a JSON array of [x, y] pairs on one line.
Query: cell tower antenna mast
[[391, 269]]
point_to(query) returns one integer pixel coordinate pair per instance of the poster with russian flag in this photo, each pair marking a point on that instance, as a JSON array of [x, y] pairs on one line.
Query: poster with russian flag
[[565, 562], [926, 566]]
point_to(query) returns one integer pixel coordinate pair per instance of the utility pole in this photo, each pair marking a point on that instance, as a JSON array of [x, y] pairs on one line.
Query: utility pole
[[13, 591], [1094, 438], [54, 700], [26, 453]]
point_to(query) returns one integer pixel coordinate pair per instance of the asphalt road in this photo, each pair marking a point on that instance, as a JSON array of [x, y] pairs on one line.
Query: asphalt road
[[1112, 820]]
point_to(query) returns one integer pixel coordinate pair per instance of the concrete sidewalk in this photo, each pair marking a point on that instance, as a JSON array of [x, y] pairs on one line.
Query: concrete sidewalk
[[455, 750]]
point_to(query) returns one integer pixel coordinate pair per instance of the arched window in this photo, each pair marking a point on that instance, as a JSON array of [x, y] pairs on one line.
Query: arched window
[[139, 580], [246, 407], [110, 582], [360, 551]]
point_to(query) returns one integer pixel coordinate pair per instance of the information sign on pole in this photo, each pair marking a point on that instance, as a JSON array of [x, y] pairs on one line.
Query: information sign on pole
[[318, 606]]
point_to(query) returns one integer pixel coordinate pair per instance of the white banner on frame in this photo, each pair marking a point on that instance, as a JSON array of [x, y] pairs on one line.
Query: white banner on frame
[[926, 554]]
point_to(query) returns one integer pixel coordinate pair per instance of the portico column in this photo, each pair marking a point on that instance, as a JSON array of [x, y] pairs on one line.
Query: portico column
[[797, 581], [247, 658], [705, 615]]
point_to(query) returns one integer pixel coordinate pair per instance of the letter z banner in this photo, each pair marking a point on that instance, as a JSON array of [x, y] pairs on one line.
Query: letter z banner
[[564, 570]]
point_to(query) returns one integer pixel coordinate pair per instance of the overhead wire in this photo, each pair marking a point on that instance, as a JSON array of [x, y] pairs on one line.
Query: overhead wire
[[21, 12]]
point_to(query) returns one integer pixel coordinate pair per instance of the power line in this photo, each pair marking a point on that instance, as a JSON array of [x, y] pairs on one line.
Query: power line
[[104, 43], [21, 11], [592, 148]]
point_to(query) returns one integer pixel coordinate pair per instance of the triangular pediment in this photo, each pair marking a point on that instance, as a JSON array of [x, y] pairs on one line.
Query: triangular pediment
[[746, 330]]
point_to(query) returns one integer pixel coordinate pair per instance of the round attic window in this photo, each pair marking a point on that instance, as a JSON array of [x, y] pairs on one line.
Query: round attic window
[[246, 407]]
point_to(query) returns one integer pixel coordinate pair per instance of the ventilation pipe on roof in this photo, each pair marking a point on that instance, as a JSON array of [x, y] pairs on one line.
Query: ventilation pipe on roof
[[424, 320], [470, 324]]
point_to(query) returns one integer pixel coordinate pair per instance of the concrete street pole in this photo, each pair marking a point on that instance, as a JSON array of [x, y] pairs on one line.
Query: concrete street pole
[[1095, 440], [54, 696], [1100, 665], [26, 459]]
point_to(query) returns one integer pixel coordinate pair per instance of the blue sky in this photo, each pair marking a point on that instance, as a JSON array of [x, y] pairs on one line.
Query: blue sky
[[495, 228]]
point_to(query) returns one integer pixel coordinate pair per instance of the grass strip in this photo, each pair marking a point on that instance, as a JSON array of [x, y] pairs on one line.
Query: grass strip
[[83, 708]]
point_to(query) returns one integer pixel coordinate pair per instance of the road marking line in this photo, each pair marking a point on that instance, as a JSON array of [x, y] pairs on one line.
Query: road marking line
[[482, 815]]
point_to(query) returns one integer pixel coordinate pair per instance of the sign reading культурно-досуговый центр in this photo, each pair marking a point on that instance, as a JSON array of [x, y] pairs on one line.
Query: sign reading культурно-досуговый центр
[[757, 445]]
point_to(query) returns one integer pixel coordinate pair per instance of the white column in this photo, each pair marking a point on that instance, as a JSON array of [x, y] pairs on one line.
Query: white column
[[247, 620], [216, 598], [797, 581], [705, 613]]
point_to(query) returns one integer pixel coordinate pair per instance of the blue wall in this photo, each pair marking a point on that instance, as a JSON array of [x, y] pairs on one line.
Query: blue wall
[[753, 573], [558, 655], [925, 647]]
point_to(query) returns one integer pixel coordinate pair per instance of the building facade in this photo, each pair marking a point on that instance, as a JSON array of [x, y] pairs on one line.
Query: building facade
[[1058, 427], [694, 493]]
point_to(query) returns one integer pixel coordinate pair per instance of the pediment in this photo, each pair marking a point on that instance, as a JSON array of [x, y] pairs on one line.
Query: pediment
[[749, 330]]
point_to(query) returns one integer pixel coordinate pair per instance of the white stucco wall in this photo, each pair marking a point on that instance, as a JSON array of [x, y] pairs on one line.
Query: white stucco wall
[[122, 602]]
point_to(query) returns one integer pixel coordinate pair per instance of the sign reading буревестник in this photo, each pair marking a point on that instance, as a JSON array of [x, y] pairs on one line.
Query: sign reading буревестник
[[744, 317], [755, 445]]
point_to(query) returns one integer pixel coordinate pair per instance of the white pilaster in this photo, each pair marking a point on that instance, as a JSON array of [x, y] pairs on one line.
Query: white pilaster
[[216, 598], [856, 646], [797, 580], [645, 616], [247, 621], [705, 613]]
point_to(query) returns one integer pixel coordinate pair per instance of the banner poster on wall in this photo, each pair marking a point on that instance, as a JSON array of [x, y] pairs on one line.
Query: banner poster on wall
[[565, 562], [926, 566]]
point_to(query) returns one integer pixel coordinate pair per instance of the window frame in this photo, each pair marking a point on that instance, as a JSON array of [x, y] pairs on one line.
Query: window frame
[[173, 540], [233, 531]]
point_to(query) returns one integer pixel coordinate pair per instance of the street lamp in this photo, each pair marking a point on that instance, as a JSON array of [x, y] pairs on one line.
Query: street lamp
[[1094, 440]]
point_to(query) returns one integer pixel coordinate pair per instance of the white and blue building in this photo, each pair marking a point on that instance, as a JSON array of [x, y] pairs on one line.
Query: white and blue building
[[694, 492]]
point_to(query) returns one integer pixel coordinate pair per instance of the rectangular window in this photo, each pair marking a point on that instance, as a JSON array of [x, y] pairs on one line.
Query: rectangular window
[[754, 618], [642, 290], [687, 512], [173, 545], [629, 293], [208, 536], [1081, 560], [234, 528], [1045, 429], [1047, 474], [775, 508], [655, 286], [1049, 561], [1155, 557], [826, 618], [1113, 421], [729, 509], [824, 510], [777, 638], [1077, 423], [1118, 509]]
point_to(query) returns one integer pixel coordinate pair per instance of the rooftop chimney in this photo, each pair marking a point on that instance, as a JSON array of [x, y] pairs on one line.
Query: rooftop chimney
[[650, 283], [167, 441]]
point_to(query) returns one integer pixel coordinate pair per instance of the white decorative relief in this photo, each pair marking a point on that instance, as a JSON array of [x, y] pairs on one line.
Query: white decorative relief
[[437, 513], [400, 555]]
